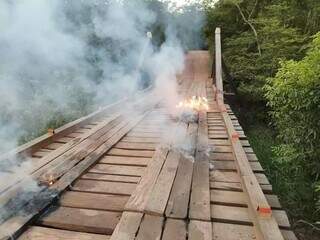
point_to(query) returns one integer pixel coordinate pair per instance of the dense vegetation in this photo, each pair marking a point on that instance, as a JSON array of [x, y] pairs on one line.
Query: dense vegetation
[[272, 50]]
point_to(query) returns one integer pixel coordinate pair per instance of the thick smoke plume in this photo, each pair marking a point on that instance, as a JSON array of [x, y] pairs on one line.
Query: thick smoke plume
[[63, 59]]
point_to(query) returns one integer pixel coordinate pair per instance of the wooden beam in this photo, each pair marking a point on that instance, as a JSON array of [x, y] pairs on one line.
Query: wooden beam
[[219, 82], [127, 227], [266, 226]]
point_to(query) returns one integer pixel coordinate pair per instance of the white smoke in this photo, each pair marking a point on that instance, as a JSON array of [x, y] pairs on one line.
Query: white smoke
[[62, 59]]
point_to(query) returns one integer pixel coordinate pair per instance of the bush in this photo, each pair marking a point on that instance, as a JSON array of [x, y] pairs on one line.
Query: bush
[[294, 98]]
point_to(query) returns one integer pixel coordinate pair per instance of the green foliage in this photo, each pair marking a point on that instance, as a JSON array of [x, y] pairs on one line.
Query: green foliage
[[294, 97], [267, 39], [240, 46]]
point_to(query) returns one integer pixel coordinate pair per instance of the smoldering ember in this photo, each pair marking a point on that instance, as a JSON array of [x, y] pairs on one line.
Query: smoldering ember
[[159, 119]]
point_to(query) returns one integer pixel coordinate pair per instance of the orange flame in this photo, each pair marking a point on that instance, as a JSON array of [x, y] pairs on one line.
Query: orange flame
[[195, 103]]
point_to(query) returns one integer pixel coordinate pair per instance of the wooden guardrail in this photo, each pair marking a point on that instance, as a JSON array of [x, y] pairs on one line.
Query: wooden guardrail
[[266, 227], [218, 65]]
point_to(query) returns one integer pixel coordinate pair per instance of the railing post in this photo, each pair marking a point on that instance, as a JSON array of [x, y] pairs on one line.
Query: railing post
[[219, 83]]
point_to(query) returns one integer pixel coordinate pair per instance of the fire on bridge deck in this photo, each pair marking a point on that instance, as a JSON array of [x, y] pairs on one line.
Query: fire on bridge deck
[[122, 177]]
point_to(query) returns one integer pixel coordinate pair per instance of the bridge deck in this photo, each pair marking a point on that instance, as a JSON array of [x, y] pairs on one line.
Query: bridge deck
[[121, 176]]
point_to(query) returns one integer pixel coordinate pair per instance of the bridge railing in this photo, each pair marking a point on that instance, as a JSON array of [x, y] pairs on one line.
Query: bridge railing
[[218, 68], [265, 225]]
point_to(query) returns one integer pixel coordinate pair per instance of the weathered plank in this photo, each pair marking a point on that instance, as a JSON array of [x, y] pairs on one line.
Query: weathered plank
[[230, 198], [127, 227], [174, 229], [111, 178], [227, 231], [42, 233], [104, 187], [136, 146], [141, 139], [121, 160], [222, 156], [226, 186], [177, 206], [150, 228], [130, 153], [200, 195], [93, 201], [160, 193], [224, 176], [200, 230], [230, 214], [102, 222], [139, 197], [117, 169]]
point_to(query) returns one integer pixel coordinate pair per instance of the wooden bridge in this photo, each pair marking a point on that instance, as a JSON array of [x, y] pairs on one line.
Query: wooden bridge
[[120, 174]]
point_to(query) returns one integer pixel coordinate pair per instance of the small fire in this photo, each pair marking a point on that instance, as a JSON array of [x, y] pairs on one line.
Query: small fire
[[47, 180], [196, 103]]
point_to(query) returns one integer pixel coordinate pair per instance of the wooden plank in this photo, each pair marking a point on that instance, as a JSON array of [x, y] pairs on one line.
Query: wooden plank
[[104, 187], [74, 135], [66, 161], [138, 161], [281, 218], [175, 229], [150, 228], [42, 152], [177, 206], [256, 167], [110, 178], [127, 227], [215, 136], [200, 230], [224, 176], [199, 206], [130, 153], [117, 169], [230, 198], [102, 222], [160, 193], [87, 162], [143, 134], [200, 194], [226, 186], [222, 149], [219, 142], [64, 139], [230, 214], [213, 127], [252, 157], [51, 159], [262, 179], [54, 145], [93, 201], [273, 200], [222, 156], [224, 165], [136, 146], [141, 139], [42, 233], [139, 197], [265, 224], [227, 231], [245, 143], [288, 235], [241, 215]]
